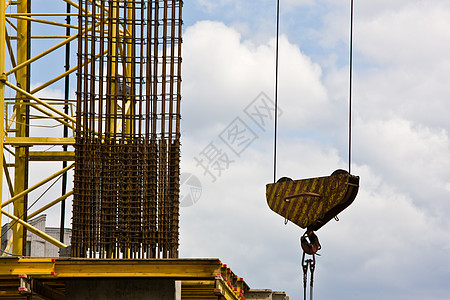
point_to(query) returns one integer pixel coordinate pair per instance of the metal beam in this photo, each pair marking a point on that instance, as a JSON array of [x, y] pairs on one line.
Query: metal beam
[[63, 75], [8, 177], [166, 268], [193, 269], [37, 185], [200, 278], [35, 230], [223, 289], [32, 215], [2, 82], [22, 130], [34, 141], [8, 246], [50, 116], [44, 21], [41, 14], [51, 155], [29, 266], [51, 49], [48, 106]]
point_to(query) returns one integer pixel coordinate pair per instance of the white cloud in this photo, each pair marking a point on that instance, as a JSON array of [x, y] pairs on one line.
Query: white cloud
[[294, 3], [223, 74], [381, 240], [412, 157], [400, 99], [210, 6], [411, 35], [401, 148]]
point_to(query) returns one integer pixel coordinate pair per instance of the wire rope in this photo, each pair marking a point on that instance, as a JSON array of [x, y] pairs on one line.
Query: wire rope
[[276, 94], [350, 90], [35, 201]]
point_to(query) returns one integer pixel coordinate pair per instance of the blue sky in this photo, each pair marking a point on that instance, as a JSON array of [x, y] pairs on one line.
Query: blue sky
[[255, 20]]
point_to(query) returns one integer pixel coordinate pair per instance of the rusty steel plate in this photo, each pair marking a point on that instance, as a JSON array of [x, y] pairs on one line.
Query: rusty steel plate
[[311, 203]]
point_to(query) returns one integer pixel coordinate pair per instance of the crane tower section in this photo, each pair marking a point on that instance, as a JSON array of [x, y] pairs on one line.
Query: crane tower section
[[127, 138]]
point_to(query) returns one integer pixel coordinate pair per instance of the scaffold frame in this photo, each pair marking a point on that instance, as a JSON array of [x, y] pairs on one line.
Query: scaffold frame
[[133, 106]]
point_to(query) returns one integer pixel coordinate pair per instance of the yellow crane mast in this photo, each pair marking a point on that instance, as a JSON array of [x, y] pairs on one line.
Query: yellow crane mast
[[124, 123], [23, 111]]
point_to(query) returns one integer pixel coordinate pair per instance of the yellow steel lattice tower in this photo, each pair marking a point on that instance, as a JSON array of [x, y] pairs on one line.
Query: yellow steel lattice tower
[[122, 130]]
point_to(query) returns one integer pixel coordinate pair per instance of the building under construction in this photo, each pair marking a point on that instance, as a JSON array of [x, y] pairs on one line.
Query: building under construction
[[117, 136]]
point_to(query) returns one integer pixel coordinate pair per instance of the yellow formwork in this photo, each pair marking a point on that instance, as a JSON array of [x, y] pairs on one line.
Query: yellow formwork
[[201, 278]]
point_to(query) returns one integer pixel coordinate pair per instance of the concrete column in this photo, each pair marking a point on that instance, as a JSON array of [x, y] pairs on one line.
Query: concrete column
[[122, 289], [259, 294], [265, 294]]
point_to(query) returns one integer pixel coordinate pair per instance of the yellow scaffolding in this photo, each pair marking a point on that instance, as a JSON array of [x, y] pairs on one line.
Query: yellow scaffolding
[[28, 118], [129, 69]]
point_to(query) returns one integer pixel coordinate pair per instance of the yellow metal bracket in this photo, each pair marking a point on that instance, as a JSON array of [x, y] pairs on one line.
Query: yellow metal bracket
[[37, 185], [32, 215], [35, 230], [29, 266], [43, 103], [34, 141], [223, 289], [2, 82]]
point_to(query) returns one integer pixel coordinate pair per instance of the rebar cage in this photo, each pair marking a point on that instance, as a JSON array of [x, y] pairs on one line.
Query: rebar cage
[[127, 149]]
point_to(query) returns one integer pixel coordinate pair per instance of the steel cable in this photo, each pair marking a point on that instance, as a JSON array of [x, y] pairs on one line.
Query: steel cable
[[276, 94]]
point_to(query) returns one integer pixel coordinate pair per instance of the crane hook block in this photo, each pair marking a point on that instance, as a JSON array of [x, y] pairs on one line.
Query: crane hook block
[[311, 203]]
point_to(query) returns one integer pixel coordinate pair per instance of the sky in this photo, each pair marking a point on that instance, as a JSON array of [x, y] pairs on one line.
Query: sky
[[393, 241]]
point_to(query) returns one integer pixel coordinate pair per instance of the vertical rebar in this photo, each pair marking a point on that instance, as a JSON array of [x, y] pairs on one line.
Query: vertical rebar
[[65, 129], [126, 184]]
